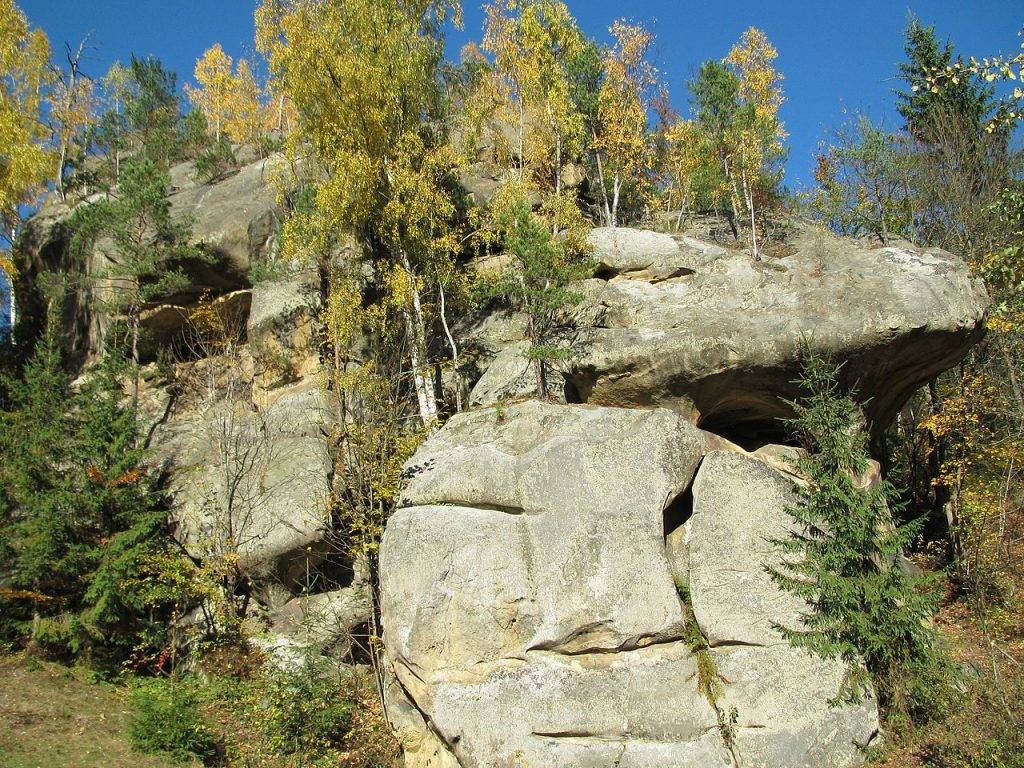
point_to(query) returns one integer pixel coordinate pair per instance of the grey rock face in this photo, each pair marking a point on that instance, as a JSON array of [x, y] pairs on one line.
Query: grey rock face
[[529, 610], [235, 219], [679, 323], [739, 508], [322, 623], [258, 478]]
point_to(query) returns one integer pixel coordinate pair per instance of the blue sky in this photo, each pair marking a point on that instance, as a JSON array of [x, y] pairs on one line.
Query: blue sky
[[835, 56], [6, 305]]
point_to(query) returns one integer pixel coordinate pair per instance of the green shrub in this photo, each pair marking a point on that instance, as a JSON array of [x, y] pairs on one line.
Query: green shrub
[[215, 161], [165, 717], [305, 711]]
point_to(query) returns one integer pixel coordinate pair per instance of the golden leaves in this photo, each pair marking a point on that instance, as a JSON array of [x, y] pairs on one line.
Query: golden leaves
[[229, 99], [533, 43], [213, 73], [24, 73], [753, 59], [624, 99]]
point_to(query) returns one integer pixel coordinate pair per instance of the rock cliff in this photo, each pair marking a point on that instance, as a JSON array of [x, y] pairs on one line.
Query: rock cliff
[[551, 565], [560, 576]]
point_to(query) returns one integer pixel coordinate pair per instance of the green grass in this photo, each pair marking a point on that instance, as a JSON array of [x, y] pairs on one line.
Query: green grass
[[53, 716]]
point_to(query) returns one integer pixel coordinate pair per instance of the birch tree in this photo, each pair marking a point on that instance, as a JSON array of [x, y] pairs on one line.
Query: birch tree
[[623, 101], [72, 109], [757, 142], [363, 77], [215, 91], [534, 44], [24, 73]]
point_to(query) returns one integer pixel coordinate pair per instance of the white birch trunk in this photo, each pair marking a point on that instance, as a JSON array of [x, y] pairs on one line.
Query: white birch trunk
[[415, 327]]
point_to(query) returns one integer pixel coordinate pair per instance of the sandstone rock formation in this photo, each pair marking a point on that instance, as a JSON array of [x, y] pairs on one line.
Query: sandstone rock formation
[[713, 334], [233, 219], [538, 580], [530, 611], [550, 565]]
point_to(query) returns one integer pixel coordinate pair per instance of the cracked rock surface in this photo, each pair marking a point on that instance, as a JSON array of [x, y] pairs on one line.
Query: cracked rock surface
[[531, 616]]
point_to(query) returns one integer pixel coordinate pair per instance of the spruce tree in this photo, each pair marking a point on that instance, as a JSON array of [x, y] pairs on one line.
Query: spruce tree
[[153, 110], [41, 531], [79, 511], [125, 500], [863, 608], [964, 99]]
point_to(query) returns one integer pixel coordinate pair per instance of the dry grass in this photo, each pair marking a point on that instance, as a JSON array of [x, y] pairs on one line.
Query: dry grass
[[57, 716], [986, 728]]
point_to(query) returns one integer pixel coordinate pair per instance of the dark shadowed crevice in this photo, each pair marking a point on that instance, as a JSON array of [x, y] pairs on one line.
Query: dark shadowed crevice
[[678, 511], [571, 393], [360, 651], [749, 434], [321, 567]]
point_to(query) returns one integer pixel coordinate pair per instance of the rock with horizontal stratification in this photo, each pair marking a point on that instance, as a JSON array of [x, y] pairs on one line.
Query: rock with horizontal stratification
[[531, 615]]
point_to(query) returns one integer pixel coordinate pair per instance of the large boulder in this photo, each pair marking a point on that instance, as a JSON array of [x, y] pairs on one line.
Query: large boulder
[[673, 321], [739, 516], [531, 615], [234, 219], [250, 480]]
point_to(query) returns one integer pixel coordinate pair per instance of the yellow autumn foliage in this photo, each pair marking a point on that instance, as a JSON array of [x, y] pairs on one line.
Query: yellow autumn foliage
[[24, 73]]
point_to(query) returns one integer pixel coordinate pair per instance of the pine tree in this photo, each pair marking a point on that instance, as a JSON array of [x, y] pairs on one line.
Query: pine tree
[[145, 245], [864, 609], [538, 280], [153, 110], [79, 511]]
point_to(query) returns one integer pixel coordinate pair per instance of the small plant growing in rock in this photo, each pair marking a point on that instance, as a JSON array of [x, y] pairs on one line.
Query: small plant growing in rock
[[538, 279], [709, 680], [863, 609]]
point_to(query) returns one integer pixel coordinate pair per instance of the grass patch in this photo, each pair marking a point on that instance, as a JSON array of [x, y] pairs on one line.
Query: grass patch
[[51, 715]]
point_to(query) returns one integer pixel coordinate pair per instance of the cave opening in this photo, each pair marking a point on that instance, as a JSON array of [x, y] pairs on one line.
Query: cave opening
[[677, 512], [750, 434]]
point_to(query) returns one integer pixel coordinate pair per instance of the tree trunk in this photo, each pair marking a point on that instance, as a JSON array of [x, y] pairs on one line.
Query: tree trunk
[[558, 165], [135, 358], [749, 196], [454, 347], [734, 196], [62, 158], [616, 186], [600, 178], [942, 511], [522, 139], [416, 330]]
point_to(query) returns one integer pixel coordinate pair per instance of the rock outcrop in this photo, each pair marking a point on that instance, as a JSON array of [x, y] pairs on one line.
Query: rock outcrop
[[558, 576], [255, 480], [551, 564], [233, 219], [677, 322], [531, 615]]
